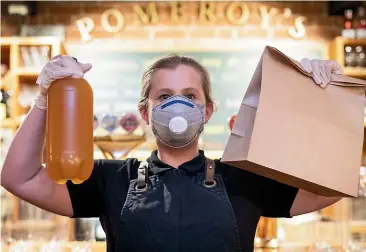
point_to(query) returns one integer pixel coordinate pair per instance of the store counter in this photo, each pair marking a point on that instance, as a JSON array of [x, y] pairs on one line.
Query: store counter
[[101, 247]]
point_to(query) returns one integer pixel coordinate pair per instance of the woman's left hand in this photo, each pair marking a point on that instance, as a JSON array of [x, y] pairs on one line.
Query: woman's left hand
[[321, 70]]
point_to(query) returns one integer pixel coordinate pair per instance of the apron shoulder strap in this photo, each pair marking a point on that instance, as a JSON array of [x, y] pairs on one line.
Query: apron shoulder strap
[[210, 173], [142, 175]]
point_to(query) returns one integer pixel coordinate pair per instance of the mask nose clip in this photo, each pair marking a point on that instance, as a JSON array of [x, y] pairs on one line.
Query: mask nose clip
[[178, 125]]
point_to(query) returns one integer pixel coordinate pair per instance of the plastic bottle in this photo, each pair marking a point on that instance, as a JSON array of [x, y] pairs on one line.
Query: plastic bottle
[[69, 131]]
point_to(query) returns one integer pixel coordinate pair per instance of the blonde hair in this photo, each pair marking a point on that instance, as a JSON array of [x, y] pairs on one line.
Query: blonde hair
[[171, 62]]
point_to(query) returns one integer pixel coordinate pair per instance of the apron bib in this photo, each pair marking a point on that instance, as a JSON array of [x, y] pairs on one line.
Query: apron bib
[[174, 211]]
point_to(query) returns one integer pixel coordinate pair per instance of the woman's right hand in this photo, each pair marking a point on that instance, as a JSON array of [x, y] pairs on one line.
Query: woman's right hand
[[58, 67]]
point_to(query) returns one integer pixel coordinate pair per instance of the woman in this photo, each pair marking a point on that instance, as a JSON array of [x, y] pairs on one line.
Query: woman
[[179, 201]]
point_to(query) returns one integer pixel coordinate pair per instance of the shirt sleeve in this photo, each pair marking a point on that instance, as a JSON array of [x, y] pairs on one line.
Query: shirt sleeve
[[88, 198], [275, 199]]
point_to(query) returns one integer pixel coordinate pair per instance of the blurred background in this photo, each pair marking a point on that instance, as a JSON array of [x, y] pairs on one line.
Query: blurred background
[[121, 39]]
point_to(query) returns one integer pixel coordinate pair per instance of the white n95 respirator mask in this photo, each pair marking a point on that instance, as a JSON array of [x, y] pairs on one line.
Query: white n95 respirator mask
[[177, 121]]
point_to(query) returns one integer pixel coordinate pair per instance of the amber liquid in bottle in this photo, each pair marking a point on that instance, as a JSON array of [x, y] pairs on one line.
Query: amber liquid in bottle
[[69, 131]]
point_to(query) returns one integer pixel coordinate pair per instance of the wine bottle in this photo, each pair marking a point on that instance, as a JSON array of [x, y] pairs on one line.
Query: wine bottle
[[5, 96], [348, 31], [361, 23], [360, 56], [350, 57]]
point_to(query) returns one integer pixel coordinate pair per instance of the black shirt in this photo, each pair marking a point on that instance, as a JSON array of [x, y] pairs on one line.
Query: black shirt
[[251, 196]]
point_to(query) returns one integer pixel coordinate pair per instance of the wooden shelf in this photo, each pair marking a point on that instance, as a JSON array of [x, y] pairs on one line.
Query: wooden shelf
[[30, 41], [9, 123], [337, 53], [29, 225], [353, 42], [17, 75], [27, 71], [358, 226], [356, 72]]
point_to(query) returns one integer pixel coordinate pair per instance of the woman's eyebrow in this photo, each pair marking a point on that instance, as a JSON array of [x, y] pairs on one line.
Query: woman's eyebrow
[[164, 90], [190, 89]]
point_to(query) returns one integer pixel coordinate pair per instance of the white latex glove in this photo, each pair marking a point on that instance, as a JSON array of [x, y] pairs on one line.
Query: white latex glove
[[57, 68], [321, 70]]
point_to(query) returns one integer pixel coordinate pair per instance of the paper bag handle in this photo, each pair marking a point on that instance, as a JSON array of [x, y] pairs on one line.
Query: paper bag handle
[[336, 79]]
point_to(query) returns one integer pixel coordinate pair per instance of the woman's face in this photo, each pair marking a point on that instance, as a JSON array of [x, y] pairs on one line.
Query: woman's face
[[183, 80]]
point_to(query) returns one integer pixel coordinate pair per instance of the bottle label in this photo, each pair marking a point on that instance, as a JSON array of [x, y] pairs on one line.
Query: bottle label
[[361, 33], [348, 25], [349, 33]]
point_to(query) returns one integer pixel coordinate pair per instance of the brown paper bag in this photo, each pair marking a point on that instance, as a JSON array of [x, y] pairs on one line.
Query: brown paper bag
[[291, 130]]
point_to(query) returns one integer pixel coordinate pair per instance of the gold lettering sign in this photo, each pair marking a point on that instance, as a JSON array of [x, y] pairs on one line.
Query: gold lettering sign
[[299, 30], [85, 26], [177, 12], [150, 16], [230, 13], [287, 12], [267, 16], [207, 12], [234, 13], [120, 21]]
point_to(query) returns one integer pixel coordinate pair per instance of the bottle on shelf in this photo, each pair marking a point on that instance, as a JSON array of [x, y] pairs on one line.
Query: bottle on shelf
[[2, 108], [4, 98], [348, 31], [95, 122], [99, 232], [360, 23], [360, 56], [4, 69], [350, 57]]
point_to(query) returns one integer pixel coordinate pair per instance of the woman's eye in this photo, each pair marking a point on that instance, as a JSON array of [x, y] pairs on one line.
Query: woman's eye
[[163, 97], [190, 96]]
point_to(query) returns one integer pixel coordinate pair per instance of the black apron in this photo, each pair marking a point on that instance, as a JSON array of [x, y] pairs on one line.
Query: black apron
[[177, 212]]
